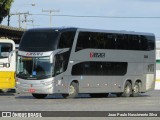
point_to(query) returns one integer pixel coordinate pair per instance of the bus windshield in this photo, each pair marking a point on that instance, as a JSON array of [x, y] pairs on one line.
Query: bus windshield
[[5, 48], [35, 41], [34, 68]]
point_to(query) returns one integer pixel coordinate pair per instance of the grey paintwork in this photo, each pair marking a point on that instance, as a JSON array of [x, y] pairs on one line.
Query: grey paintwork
[[137, 69]]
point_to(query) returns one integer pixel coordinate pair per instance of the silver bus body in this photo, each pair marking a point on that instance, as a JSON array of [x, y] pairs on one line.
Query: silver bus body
[[94, 70]]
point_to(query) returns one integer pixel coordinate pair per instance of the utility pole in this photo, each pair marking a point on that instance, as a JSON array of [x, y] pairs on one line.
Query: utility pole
[[26, 20], [50, 14], [9, 19], [19, 17]]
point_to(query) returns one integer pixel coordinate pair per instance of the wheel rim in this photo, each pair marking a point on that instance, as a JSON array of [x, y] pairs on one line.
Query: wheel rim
[[127, 90], [71, 90], [136, 89]]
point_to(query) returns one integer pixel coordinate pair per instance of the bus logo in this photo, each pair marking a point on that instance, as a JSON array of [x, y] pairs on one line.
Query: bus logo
[[97, 55], [34, 54]]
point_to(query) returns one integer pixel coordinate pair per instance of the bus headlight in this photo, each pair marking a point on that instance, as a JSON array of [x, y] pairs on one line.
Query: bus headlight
[[47, 83]]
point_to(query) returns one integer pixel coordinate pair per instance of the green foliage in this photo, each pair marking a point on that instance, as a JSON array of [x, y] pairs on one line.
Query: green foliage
[[4, 8]]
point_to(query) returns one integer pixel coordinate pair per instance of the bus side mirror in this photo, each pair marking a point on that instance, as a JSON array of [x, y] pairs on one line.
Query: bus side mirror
[[53, 54], [10, 55], [58, 51], [51, 58]]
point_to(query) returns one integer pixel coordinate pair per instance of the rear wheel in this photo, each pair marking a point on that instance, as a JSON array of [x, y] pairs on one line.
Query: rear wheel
[[39, 96], [136, 89], [127, 89], [73, 91], [99, 95]]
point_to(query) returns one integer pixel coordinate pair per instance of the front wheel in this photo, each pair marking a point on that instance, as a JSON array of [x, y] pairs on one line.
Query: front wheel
[[39, 96], [73, 91]]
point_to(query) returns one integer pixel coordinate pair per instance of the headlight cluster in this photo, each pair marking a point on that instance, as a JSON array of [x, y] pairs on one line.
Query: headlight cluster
[[47, 83]]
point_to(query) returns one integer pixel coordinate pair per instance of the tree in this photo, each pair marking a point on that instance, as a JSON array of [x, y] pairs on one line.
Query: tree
[[5, 6]]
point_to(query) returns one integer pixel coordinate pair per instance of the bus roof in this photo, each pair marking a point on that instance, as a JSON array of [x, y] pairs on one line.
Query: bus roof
[[117, 31], [63, 29], [6, 40]]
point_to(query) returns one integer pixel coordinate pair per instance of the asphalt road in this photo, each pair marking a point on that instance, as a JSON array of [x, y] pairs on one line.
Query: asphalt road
[[149, 101]]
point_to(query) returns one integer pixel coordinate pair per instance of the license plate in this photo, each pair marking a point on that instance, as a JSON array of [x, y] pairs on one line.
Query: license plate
[[31, 90]]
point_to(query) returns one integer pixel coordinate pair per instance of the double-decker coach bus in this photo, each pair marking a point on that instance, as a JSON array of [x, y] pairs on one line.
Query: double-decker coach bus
[[74, 60]]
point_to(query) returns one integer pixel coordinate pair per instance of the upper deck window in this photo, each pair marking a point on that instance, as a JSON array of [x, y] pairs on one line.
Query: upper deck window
[[116, 41], [66, 39], [39, 40]]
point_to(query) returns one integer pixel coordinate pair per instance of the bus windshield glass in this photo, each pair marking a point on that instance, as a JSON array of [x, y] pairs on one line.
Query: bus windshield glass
[[34, 68], [5, 48], [41, 41]]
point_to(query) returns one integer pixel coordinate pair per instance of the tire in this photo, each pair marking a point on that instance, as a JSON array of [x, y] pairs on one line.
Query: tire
[[3, 90], [73, 91], [99, 95], [39, 96], [136, 90], [127, 89]]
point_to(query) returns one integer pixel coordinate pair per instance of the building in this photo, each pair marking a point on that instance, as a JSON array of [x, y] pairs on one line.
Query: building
[[11, 33]]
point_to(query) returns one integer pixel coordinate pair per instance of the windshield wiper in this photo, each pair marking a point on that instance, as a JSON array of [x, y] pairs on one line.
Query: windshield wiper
[[23, 74]]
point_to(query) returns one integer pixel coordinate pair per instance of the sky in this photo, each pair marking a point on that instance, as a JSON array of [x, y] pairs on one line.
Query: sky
[[129, 15]]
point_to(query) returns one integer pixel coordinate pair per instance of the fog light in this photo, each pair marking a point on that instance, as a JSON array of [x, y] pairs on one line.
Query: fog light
[[47, 83]]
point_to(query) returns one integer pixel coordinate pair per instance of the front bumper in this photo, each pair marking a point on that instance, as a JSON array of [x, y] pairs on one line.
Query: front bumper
[[45, 86]]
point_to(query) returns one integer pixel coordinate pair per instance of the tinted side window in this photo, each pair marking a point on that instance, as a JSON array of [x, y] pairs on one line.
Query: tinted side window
[[121, 41], [134, 42], [5, 48], [147, 43], [97, 40], [144, 43], [100, 68], [66, 39], [110, 41], [83, 41], [151, 43], [61, 63]]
